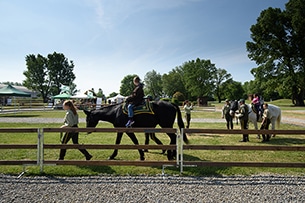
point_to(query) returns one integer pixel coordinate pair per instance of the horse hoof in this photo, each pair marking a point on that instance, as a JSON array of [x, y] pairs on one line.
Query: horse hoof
[[163, 151], [110, 158], [142, 158]]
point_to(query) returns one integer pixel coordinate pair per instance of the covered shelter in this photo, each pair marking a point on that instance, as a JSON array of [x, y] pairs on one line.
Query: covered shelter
[[10, 91], [62, 96], [117, 99], [82, 96], [84, 101]]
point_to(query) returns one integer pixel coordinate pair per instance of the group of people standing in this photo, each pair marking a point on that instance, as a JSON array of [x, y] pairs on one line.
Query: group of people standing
[[243, 116]]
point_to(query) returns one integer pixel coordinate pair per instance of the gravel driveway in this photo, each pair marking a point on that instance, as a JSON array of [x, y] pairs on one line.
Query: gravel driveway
[[152, 189]]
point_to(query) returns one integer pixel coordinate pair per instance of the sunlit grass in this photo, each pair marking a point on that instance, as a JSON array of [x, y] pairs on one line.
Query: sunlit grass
[[109, 138], [190, 155]]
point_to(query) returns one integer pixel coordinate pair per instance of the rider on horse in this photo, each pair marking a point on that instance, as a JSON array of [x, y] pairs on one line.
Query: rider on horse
[[256, 102], [135, 99]]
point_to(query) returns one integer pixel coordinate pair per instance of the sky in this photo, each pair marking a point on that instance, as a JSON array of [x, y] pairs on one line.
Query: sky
[[110, 39]]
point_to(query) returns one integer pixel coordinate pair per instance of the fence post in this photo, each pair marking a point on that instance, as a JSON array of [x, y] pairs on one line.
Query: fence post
[[40, 150], [177, 148], [181, 150]]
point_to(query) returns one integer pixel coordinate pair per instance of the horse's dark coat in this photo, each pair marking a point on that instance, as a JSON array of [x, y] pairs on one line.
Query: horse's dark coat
[[164, 116]]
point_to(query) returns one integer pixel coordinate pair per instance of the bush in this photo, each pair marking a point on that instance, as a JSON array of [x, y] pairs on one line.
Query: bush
[[179, 96]]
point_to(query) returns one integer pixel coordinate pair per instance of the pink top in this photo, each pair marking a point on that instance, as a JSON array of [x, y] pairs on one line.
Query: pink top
[[255, 100]]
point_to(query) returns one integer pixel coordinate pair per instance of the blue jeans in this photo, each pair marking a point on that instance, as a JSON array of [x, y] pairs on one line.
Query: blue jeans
[[130, 110]]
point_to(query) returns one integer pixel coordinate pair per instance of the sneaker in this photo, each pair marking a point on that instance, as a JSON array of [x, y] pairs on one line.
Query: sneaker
[[129, 123]]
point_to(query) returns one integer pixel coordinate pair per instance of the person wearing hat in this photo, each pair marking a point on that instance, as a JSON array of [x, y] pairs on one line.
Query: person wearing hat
[[225, 113], [243, 116], [266, 122]]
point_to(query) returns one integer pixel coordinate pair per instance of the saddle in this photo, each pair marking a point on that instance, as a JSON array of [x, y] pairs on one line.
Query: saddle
[[145, 107]]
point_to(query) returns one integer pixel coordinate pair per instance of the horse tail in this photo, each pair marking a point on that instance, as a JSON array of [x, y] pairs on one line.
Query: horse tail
[[180, 122]]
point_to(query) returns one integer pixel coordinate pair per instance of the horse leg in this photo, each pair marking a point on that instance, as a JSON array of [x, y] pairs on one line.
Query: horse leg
[[171, 153], [256, 128], [146, 141], [273, 125], [136, 142], [117, 141], [235, 119], [154, 138]]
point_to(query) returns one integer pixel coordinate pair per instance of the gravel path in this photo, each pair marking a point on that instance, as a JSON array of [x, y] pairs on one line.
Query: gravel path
[[152, 189]]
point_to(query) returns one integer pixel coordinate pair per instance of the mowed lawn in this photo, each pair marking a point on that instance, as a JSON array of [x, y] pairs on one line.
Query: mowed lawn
[[109, 138]]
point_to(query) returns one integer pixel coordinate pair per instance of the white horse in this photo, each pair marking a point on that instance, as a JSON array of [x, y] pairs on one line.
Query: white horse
[[276, 115]]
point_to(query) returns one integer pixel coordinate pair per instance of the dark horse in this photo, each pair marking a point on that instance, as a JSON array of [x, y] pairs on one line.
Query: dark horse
[[154, 138], [164, 115], [233, 109]]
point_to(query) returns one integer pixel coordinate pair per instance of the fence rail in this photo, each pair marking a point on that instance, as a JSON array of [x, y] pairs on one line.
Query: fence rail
[[180, 147]]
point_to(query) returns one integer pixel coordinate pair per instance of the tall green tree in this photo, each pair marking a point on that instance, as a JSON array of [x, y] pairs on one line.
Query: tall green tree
[[153, 84], [199, 77], [46, 74], [172, 82], [60, 71], [112, 94], [37, 75], [73, 89], [233, 90], [278, 47], [221, 77], [127, 85]]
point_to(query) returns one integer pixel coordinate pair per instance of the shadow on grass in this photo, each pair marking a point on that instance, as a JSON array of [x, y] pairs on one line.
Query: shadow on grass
[[205, 135], [285, 141]]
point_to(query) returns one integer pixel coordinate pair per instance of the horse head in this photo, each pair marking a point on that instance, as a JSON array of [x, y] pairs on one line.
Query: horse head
[[91, 121], [233, 107]]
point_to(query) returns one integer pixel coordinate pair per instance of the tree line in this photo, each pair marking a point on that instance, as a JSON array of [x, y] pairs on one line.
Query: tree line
[[193, 79], [277, 46]]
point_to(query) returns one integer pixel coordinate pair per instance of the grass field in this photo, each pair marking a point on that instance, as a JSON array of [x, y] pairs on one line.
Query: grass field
[[109, 138]]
